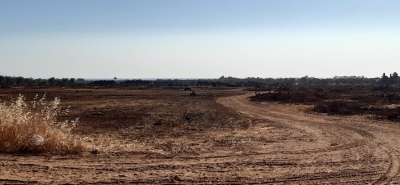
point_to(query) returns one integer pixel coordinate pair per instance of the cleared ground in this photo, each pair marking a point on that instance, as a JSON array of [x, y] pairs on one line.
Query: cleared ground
[[166, 136]]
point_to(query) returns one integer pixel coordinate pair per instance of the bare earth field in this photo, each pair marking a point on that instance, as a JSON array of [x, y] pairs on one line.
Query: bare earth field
[[165, 136]]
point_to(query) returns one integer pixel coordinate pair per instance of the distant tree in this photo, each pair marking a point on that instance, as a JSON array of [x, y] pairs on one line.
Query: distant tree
[[2, 79], [64, 81], [115, 78], [58, 81], [325, 81], [41, 82], [104, 83], [395, 75], [384, 77], [51, 81], [10, 80], [80, 80], [71, 80], [28, 81], [19, 80], [37, 82], [291, 81], [304, 80]]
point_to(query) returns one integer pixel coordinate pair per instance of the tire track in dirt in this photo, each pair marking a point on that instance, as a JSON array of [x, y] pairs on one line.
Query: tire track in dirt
[[14, 181], [393, 168], [353, 134], [291, 121]]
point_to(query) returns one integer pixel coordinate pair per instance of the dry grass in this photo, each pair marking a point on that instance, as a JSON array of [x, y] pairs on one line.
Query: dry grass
[[160, 121], [32, 127]]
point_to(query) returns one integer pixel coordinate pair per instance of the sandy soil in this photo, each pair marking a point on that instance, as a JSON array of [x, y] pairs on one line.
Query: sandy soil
[[289, 147]]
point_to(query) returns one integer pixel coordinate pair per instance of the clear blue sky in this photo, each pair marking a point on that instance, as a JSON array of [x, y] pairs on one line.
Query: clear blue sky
[[198, 38]]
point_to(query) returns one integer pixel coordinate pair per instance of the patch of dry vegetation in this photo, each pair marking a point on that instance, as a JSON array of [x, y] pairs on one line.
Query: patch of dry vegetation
[[337, 107], [32, 127], [164, 121], [382, 102]]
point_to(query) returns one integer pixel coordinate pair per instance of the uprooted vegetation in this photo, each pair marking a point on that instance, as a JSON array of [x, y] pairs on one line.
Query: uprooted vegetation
[[380, 101], [32, 127]]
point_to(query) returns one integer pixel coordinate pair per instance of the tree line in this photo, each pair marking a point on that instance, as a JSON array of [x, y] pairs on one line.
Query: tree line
[[21, 81], [392, 79], [9, 81]]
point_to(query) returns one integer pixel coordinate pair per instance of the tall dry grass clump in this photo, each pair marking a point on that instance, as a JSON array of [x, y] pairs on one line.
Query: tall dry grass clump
[[32, 127]]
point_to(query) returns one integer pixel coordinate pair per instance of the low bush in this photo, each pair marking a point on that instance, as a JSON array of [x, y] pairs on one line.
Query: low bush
[[337, 107], [389, 114]]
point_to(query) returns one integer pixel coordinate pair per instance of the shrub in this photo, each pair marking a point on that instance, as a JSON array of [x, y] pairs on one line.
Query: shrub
[[33, 128], [388, 113], [337, 107]]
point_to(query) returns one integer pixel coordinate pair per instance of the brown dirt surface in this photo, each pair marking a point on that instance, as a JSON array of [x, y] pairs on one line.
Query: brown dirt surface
[[165, 136]]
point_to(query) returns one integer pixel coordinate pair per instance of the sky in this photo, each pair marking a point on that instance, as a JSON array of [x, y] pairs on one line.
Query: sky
[[199, 38]]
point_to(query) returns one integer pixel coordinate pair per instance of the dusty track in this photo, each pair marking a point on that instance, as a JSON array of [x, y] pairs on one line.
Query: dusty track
[[291, 147], [328, 149]]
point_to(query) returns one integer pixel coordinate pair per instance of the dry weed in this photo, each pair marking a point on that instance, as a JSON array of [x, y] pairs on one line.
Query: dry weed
[[33, 127], [112, 144]]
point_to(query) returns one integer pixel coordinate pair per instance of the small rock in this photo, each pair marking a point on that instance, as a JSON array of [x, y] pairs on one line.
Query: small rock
[[94, 152], [36, 140], [177, 178]]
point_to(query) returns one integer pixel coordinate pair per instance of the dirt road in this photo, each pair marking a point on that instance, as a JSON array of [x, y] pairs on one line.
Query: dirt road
[[325, 149], [287, 146]]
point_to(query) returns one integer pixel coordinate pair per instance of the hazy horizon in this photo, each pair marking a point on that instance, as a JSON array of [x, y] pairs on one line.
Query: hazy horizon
[[152, 79], [199, 39]]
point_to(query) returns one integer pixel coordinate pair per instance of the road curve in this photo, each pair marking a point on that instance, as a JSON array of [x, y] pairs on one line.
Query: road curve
[[326, 149]]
